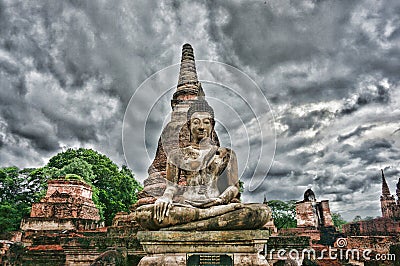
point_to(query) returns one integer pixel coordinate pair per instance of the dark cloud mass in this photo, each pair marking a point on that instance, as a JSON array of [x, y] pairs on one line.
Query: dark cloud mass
[[329, 69]]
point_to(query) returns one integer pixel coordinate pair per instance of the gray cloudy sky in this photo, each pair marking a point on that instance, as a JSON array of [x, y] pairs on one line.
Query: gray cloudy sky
[[330, 70]]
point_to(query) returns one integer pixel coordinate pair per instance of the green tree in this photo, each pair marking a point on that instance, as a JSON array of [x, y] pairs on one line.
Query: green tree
[[11, 214], [338, 221], [17, 193], [114, 189], [76, 166], [284, 213]]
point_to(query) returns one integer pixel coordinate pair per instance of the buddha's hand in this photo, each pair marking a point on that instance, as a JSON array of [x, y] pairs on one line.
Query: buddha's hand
[[161, 208], [205, 203], [213, 202]]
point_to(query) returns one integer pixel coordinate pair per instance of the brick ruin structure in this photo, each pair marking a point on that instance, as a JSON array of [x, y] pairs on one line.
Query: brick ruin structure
[[313, 219], [390, 208], [68, 205], [315, 229], [377, 236], [382, 234], [313, 214], [64, 228], [316, 232], [66, 209], [388, 224]]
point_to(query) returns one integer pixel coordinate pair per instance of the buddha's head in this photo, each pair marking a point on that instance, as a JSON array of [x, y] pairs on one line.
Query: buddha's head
[[200, 117]]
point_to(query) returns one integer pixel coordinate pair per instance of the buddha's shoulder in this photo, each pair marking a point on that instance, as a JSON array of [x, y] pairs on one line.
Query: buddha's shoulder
[[223, 151]]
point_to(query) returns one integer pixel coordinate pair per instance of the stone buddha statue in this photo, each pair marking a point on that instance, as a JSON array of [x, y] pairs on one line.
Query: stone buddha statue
[[193, 185], [202, 185]]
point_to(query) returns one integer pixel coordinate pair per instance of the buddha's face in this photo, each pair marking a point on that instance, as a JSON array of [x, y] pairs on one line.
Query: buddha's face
[[200, 126]]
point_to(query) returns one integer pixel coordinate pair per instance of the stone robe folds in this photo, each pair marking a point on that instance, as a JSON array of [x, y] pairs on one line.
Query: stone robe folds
[[204, 174]]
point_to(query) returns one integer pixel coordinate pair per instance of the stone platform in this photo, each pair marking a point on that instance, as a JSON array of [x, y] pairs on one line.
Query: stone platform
[[172, 247]]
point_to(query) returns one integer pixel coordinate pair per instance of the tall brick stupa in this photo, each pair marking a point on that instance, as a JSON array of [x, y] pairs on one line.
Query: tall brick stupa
[[188, 90]]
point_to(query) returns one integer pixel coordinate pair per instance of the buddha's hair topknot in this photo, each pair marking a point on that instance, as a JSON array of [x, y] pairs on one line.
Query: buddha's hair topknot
[[199, 106]]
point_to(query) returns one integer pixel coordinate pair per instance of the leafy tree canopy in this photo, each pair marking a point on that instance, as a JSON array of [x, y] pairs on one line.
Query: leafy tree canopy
[[17, 193], [358, 218], [114, 189], [338, 221], [284, 213]]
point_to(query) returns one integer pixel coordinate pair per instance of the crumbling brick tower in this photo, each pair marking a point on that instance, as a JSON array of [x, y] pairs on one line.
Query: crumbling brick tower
[[67, 211], [66, 199], [313, 214], [390, 209]]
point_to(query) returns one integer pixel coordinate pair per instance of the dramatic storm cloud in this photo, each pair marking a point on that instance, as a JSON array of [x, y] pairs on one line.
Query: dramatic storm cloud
[[330, 70]]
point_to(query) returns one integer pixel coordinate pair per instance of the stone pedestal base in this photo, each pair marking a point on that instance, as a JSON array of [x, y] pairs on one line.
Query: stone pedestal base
[[172, 247]]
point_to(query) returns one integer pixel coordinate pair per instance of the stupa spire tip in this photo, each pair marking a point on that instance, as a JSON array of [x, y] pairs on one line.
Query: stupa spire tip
[[187, 73]]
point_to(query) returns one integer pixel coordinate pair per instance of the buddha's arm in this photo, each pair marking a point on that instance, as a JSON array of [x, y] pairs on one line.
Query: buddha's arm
[[164, 203], [232, 170], [233, 181], [229, 193]]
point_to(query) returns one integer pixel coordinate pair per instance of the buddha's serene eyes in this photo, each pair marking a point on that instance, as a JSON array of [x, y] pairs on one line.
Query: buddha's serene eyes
[[196, 121]]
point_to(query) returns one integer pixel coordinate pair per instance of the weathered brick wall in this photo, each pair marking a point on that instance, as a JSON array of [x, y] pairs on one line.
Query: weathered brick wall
[[51, 224], [305, 215], [287, 243], [313, 234], [326, 213], [388, 206], [46, 224], [74, 188], [379, 244], [66, 199], [64, 210], [375, 227]]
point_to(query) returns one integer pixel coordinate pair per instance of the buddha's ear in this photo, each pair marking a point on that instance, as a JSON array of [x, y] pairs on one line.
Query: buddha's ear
[[212, 135]]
